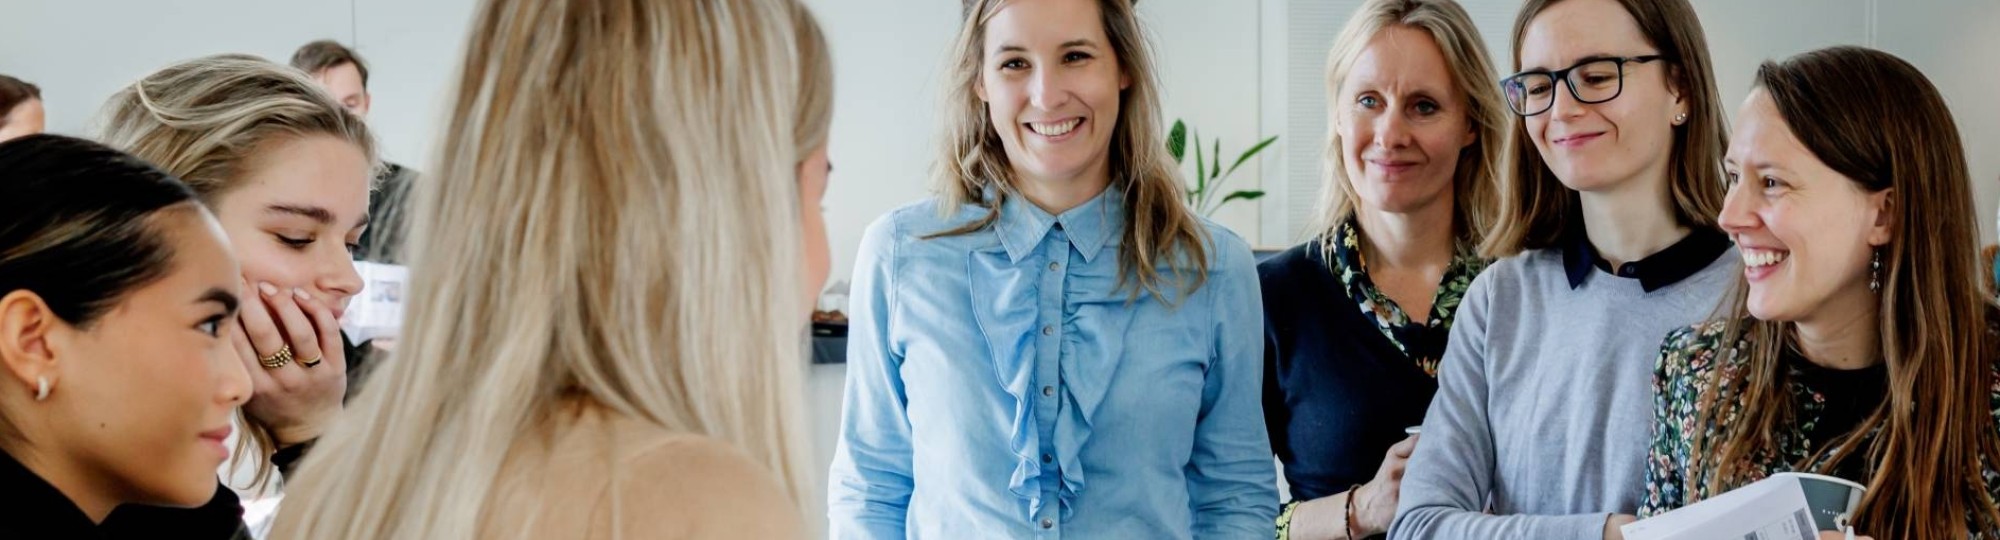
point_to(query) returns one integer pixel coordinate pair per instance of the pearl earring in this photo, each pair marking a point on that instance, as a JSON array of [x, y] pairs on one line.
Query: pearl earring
[[1681, 119]]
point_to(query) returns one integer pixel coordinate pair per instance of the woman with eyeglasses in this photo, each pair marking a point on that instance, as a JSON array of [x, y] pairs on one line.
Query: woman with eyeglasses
[[1541, 422]]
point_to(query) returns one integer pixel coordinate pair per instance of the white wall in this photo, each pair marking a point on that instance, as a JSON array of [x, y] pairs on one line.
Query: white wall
[[1227, 67]]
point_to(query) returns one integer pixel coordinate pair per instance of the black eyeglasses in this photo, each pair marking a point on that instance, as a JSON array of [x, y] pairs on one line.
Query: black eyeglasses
[[1594, 80]]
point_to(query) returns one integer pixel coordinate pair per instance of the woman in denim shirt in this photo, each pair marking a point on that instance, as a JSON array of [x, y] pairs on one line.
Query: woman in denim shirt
[[1055, 346]]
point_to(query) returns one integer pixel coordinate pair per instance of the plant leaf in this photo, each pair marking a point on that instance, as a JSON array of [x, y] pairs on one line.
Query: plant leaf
[[1217, 154], [1248, 195], [1200, 167], [1177, 141], [1247, 154]]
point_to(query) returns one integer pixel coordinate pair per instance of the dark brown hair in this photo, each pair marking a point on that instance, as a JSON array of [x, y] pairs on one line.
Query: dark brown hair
[[1876, 120], [14, 92], [78, 231], [327, 54], [1536, 209]]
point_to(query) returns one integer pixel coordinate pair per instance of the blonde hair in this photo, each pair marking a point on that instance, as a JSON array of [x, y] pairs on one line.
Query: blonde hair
[[1537, 210], [1475, 184], [973, 168], [612, 222], [205, 121]]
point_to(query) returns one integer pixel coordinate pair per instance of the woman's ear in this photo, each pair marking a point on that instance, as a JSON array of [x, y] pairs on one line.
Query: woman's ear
[[1884, 203], [26, 354]]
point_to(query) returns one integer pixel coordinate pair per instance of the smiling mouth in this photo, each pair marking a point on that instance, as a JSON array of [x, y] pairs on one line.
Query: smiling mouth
[[1054, 129], [1760, 258], [1579, 138]]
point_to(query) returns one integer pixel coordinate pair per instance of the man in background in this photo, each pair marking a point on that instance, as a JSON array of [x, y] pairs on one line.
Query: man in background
[[345, 75]]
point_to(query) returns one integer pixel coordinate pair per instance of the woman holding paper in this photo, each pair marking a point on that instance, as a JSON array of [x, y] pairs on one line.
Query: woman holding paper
[[1356, 318], [1863, 346]]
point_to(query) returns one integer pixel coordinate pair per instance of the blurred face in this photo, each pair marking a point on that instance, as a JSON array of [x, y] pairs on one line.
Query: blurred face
[[1051, 83], [1806, 232], [344, 82], [294, 219], [1593, 147], [813, 174], [143, 396], [24, 120], [1402, 123]]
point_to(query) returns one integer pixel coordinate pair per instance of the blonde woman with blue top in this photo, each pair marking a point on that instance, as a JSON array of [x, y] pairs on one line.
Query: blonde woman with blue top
[[1357, 317], [1541, 422], [1055, 346]]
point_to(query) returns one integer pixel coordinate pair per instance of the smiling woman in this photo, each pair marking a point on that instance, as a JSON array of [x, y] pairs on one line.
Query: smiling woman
[[116, 380], [1078, 353], [286, 170]]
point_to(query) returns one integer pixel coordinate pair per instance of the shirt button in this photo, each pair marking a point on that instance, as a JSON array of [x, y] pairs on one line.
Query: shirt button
[[1055, 266], [1047, 458], [1048, 523], [1049, 391], [1048, 330]]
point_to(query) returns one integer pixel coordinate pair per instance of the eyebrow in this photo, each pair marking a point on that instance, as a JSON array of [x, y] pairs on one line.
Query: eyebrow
[[315, 213], [219, 296], [1590, 58], [1065, 45]]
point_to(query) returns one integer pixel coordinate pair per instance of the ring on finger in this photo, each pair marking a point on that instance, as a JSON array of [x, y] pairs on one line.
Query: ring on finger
[[278, 359], [312, 362]]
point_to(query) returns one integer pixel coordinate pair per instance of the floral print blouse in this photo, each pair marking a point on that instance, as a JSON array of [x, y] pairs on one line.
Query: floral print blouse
[[1423, 340], [1688, 364]]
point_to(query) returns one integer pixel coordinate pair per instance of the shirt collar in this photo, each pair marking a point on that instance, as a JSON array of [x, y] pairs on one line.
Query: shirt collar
[[52, 514], [1089, 227], [1682, 259]]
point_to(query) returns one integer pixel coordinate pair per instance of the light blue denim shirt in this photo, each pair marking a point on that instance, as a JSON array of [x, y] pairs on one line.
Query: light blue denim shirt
[[1000, 384]]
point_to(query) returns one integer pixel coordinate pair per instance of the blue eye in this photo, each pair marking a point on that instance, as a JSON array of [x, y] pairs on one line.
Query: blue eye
[[1369, 102]]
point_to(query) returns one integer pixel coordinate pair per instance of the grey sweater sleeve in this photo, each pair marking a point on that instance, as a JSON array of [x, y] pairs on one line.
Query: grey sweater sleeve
[[1446, 486]]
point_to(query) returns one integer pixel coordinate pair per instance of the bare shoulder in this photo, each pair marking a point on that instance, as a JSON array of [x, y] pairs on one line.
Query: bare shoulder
[[679, 485]]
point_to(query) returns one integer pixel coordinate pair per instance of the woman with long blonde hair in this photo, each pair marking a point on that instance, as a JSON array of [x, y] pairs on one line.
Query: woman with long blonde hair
[[1859, 343], [1055, 344], [1356, 318], [608, 309], [286, 171]]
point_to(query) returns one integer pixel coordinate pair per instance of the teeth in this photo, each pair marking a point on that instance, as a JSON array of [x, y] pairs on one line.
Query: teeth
[[1055, 130], [1759, 257]]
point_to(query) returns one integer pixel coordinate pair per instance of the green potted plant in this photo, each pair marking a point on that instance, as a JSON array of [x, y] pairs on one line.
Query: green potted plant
[[1208, 172]]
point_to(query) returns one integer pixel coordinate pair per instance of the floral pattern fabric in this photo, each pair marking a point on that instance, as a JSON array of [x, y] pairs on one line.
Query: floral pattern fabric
[[1423, 341], [1688, 365]]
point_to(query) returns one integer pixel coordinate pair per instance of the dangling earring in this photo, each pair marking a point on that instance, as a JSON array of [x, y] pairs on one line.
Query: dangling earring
[[41, 387], [1875, 272]]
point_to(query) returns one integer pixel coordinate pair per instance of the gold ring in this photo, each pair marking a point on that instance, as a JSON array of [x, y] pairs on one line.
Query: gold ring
[[312, 362], [277, 359]]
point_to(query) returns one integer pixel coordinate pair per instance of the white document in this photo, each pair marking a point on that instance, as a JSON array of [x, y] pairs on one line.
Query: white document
[[1774, 508], [378, 311]]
